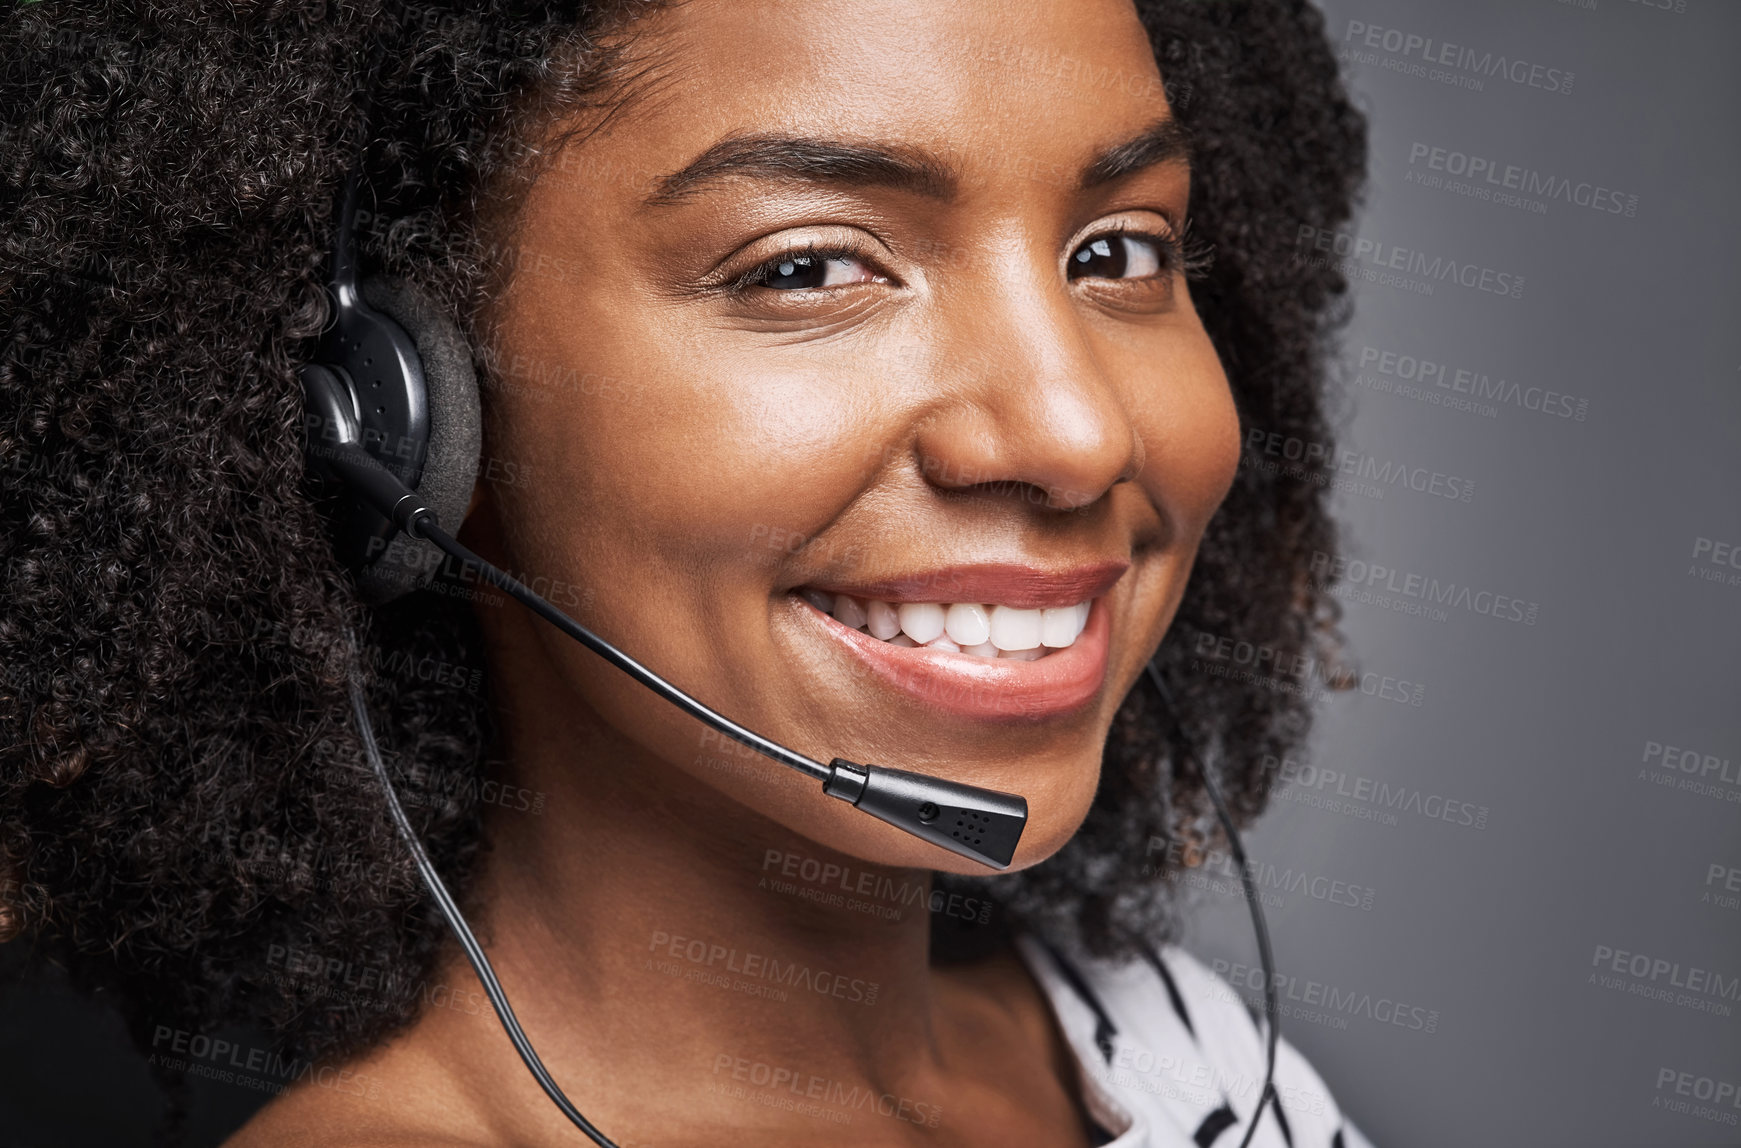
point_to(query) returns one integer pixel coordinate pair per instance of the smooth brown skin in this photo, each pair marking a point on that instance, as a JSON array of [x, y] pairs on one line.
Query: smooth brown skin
[[861, 416]]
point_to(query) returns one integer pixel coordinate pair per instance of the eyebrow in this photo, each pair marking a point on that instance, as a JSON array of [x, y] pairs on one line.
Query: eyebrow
[[786, 157], [1164, 141]]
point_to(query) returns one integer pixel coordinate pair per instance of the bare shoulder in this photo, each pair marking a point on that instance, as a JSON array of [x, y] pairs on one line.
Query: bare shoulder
[[381, 1101], [309, 1137], [302, 1118]]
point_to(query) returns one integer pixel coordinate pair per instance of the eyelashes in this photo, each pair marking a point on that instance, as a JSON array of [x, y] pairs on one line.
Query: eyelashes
[[811, 267], [801, 264], [1181, 253]]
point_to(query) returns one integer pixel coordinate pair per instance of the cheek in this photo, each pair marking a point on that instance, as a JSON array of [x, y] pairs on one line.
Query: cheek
[[1191, 441], [672, 458], [1221, 445]]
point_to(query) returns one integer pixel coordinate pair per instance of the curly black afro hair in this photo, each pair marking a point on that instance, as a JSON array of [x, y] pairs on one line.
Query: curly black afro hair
[[182, 797]]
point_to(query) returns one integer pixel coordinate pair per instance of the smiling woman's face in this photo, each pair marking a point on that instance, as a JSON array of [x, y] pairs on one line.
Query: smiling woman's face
[[873, 306]]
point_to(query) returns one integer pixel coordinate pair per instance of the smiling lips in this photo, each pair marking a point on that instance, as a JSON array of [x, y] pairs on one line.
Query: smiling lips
[[978, 641]]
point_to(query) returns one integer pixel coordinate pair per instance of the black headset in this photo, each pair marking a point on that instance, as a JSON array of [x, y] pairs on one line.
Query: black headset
[[394, 432]]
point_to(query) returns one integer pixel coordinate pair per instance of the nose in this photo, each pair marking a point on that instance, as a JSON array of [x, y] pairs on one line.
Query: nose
[[1029, 405]]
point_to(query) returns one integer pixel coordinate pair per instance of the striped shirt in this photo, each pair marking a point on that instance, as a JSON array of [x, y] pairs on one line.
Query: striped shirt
[[1169, 1057]]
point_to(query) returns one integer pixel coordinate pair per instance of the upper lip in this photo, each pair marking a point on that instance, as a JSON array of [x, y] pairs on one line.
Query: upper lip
[[995, 583]]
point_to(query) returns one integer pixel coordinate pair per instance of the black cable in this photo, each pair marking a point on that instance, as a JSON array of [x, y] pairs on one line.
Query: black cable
[[426, 527], [1271, 1008], [912, 802], [407, 511], [473, 951], [377, 487]]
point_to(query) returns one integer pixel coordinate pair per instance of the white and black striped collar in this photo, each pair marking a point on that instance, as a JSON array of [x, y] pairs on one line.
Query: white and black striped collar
[[1170, 1057]]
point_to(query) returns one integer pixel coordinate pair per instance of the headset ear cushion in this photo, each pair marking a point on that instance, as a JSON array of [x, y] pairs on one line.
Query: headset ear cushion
[[456, 435]]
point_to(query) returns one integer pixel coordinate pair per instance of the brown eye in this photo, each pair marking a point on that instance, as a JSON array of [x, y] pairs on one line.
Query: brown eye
[[808, 270], [796, 273], [1117, 257]]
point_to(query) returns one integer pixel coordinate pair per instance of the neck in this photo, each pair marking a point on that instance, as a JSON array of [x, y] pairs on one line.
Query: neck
[[653, 932]]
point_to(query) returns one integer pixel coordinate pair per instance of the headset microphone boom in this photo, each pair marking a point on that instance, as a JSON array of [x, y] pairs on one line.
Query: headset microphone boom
[[393, 419], [392, 411], [981, 824]]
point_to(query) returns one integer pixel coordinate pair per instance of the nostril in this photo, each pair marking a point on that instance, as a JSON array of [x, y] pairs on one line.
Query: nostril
[[1050, 498], [1064, 498], [1056, 434]]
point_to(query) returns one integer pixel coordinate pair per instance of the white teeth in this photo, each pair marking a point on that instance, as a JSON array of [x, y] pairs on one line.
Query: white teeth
[[921, 621], [968, 624], [1007, 632], [1013, 629], [848, 611], [882, 620], [1057, 627]]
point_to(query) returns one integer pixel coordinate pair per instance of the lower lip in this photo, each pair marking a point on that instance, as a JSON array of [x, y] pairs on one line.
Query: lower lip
[[968, 686]]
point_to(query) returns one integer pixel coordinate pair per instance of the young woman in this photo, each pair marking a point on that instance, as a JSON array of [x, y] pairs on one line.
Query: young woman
[[875, 370]]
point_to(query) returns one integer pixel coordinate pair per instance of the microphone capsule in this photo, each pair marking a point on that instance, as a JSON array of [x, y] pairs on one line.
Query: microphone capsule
[[982, 824]]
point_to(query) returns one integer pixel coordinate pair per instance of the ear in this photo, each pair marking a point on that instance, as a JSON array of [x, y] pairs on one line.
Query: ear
[[450, 465]]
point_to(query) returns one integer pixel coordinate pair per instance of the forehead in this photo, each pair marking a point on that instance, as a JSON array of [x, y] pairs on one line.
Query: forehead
[[983, 84]]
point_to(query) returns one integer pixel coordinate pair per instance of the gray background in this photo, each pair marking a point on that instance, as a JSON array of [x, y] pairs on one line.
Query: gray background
[[1497, 929]]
